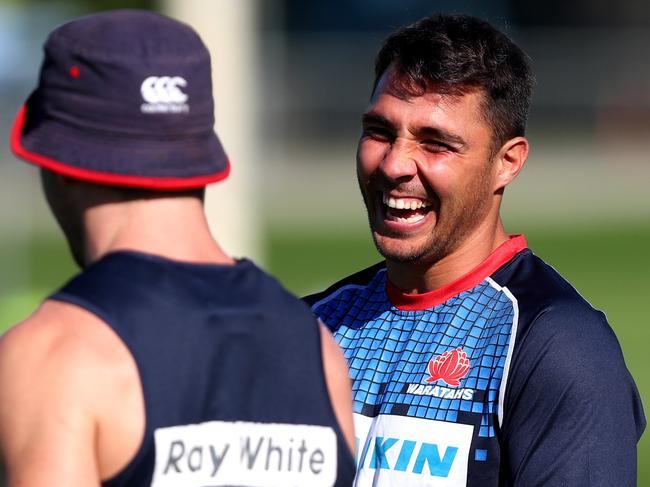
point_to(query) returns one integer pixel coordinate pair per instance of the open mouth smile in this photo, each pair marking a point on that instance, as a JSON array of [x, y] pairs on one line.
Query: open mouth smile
[[405, 209]]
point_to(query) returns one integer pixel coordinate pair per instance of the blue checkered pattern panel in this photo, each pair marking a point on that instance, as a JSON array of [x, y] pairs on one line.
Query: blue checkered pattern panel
[[388, 351]]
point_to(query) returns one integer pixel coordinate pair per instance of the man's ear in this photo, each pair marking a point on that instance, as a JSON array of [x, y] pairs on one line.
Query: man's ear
[[510, 160]]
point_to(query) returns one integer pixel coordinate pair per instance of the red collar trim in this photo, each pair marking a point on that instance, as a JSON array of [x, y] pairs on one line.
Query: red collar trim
[[414, 302]]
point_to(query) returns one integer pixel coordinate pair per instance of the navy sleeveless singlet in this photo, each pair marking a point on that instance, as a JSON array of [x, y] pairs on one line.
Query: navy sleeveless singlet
[[231, 372]]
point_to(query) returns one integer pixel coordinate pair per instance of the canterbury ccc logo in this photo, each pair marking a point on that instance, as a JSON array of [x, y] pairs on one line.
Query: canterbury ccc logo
[[163, 89], [451, 366]]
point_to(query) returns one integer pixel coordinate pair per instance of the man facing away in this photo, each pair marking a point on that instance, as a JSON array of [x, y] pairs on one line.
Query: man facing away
[[164, 362], [473, 362]]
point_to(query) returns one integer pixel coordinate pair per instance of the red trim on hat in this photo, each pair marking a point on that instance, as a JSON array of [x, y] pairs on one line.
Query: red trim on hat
[[501, 255], [100, 177]]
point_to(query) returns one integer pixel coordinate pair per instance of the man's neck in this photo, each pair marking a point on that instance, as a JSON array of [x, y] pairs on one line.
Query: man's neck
[[418, 277], [174, 228]]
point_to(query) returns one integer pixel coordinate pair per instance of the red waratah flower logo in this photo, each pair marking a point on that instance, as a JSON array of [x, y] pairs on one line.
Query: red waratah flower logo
[[450, 367]]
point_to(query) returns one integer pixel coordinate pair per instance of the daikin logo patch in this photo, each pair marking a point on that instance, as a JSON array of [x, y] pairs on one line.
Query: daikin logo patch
[[163, 94], [220, 453], [400, 450]]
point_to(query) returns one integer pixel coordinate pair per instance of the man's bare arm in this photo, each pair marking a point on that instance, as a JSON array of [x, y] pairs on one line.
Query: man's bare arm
[[47, 427]]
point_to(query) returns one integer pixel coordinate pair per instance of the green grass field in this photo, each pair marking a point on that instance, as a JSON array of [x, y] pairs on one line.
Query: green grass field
[[608, 265]]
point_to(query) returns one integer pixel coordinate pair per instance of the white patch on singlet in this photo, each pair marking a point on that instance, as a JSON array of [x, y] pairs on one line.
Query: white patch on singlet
[[221, 453]]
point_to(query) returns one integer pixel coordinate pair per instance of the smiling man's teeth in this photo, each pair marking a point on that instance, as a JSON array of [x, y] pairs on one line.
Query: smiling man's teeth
[[404, 204], [405, 210], [411, 219]]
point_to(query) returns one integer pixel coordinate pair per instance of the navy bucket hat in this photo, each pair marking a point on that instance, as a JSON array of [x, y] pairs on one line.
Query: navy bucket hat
[[124, 98]]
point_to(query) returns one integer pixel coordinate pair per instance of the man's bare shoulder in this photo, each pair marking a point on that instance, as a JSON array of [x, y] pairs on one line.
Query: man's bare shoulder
[[60, 369], [59, 337], [65, 356]]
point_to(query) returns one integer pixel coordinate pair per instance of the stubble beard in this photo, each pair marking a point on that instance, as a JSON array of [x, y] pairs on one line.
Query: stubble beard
[[456, 219]]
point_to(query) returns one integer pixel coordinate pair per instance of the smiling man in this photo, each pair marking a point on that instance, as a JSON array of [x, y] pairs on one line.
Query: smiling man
[[474, 363]]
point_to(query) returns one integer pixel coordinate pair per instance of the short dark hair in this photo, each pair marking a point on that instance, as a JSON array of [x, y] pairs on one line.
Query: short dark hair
[[455, 53]]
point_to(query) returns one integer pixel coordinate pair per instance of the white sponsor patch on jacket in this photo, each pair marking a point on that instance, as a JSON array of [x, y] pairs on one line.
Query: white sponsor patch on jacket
[[221, 453], [413, 452]]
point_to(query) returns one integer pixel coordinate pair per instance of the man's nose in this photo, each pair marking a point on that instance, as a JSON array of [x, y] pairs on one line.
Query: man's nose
[[399, 161]]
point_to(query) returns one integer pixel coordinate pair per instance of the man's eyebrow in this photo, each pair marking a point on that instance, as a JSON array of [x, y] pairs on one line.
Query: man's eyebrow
[[441, 135], [437, 133], [374, 118]]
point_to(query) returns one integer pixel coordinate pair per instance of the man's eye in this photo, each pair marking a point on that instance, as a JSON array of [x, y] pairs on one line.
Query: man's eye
[[377, 133], [434, 146]]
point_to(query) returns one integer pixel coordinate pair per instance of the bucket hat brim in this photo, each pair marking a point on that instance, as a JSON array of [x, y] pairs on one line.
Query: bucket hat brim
[[119, 160]]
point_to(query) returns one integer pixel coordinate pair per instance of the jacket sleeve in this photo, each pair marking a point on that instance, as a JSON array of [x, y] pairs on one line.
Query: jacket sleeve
[[572, 413]]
